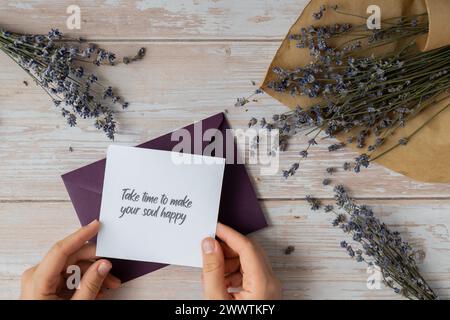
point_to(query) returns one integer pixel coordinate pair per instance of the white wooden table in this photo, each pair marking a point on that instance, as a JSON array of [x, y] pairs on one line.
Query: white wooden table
[[202, 54]]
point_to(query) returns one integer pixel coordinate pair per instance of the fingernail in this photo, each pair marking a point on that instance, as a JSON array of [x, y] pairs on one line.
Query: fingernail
[[208, 245], [93, 222], [116, 280], [104, 268]]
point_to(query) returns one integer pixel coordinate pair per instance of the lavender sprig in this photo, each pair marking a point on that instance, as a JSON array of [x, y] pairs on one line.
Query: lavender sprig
[[379, 246], [56, 63], [240, 102]]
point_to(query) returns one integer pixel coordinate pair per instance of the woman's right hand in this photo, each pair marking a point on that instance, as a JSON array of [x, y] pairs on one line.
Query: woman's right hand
[[237, 263]]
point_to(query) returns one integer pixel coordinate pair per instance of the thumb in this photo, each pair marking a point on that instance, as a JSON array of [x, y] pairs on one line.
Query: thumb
[[213, 271], [92, 280]]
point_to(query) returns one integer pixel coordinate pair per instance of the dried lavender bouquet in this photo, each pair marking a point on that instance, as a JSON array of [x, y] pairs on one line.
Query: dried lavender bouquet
[[376, 245], [362, 95], [55, 64]]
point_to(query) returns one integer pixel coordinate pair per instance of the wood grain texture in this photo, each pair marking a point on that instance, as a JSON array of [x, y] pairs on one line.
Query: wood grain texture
[[202, 55], [157, 19], [318, 268], [177, 84]]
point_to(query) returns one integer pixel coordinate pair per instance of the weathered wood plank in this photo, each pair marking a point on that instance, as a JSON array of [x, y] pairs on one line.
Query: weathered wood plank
[[317, 269], [177, 83], [150, 19], [185, 78]]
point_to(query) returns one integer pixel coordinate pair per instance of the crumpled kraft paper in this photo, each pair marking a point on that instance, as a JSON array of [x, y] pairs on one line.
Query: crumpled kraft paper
[[427, 156], [439, 16]]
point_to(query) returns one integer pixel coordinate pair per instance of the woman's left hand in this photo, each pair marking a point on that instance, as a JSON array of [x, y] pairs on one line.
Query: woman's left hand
[[48, 279]]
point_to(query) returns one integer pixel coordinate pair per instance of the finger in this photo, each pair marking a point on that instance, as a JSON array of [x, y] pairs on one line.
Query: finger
[[65, 292], [54, 262], [252, 261], [100, 295], [232, 265], [264, 257], [227, 251], [213, 270], [111, 282], [234, 241], [234, 280], [87, 252], [92, 280]]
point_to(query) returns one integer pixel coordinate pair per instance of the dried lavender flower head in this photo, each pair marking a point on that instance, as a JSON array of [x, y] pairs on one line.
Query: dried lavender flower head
[[289, 250], [291, 171], [318, 15], [313, 202], [139, 56], [57, 64]]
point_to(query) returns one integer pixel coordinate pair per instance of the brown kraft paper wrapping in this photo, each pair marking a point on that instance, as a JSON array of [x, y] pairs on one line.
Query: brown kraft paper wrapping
[[427, 156]]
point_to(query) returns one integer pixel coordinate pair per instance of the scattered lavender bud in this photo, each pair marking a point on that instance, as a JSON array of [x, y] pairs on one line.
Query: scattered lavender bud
[[72, 120], [339, 190], [403, 141], [252, 122], [283, 145], [359, 258], [263, 122], [361, 161], [347, 166], [335, 222], [319, 15], [289, 250], [139, 55], [335, 147], [350, 251], [240, 102], [326, 181], [291, 171], [313, 202]]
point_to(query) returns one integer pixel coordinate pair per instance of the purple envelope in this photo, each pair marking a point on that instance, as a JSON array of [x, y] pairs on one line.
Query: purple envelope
[[239, 207]]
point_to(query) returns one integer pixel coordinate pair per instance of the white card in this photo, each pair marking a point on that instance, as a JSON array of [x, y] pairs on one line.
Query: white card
[[155, 209]]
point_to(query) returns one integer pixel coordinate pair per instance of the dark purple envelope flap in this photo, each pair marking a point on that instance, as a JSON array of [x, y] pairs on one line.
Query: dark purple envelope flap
[[239, 207]]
